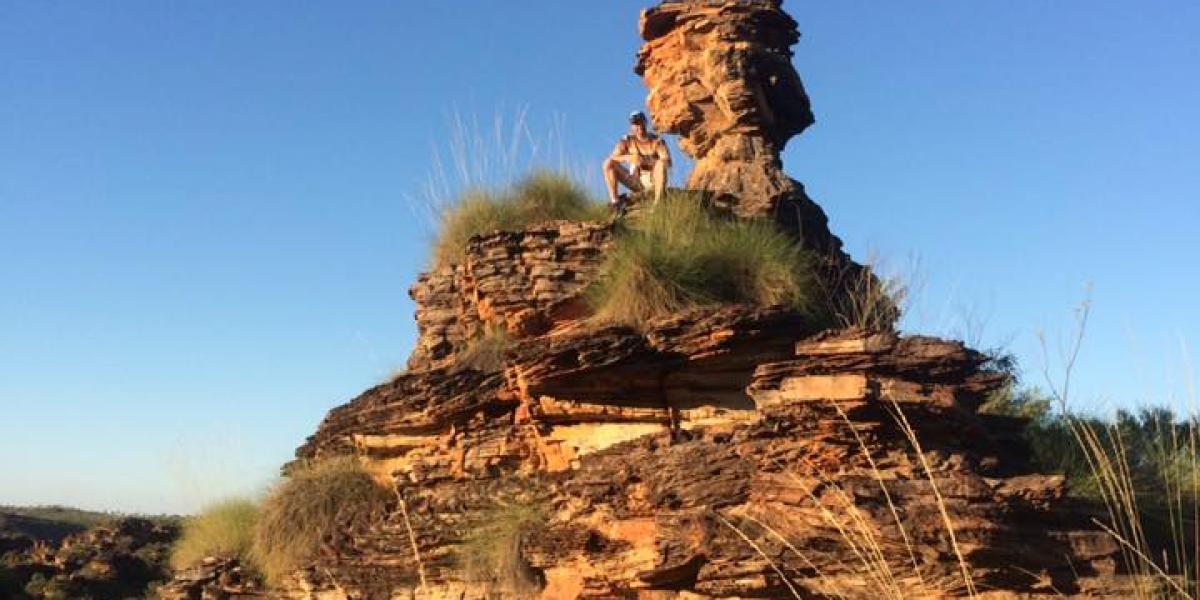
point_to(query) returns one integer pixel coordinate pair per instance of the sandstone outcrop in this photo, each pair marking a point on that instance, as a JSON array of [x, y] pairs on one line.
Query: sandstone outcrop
[[723, 452], [721, 78], [523, 281], [215, 578]]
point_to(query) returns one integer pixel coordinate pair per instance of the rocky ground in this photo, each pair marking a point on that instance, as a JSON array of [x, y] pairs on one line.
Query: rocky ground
[[114, 559]]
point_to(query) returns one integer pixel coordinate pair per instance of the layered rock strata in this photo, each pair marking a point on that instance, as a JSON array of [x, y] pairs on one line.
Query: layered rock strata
[[720, 77], [724, 453], [523, 282], [728, 452], [215, 578]]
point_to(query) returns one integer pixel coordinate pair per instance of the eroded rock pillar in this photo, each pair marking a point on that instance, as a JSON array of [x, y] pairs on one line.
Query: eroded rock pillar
[[721, 78]]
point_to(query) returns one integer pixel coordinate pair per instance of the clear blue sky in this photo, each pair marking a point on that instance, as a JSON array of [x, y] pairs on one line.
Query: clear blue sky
[[205, 241]]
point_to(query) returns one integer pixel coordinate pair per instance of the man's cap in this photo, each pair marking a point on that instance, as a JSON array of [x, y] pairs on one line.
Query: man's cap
[[637, 116]]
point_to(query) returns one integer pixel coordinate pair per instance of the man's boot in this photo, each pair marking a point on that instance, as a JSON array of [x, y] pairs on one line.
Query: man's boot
[[620, 206]]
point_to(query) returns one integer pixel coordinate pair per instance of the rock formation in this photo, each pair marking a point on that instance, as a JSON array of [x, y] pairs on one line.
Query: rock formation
[[523, 281], [720, 76], [723, 452], [215, 578], [113, 560]]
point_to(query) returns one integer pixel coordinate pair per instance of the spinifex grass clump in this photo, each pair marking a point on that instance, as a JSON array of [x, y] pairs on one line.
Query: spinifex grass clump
[[485, 351], [491, 550], [223, 529], [678, 254], [315, 504], [543, 196]]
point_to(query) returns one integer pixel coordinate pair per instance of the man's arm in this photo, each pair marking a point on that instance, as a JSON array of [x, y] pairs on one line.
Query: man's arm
[[664, 153], [621, 152]]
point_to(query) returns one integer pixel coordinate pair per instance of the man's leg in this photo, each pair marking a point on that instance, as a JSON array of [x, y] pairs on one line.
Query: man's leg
[[660, 179], [614, 173]]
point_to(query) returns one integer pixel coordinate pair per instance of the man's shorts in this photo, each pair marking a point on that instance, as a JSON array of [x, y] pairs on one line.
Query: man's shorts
[[645, 179]]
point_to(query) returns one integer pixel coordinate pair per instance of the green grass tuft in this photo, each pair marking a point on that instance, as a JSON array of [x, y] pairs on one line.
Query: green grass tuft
[[542, 196], [491, 551], [222, 529], [678, 254], [485, 352], [315, 505]]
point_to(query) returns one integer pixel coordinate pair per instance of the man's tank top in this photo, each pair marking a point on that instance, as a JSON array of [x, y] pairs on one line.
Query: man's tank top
[[644, 160]]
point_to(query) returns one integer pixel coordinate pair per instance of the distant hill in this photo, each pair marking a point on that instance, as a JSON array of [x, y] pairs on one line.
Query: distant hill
[[56, 552], [53, 523], [47, 523]]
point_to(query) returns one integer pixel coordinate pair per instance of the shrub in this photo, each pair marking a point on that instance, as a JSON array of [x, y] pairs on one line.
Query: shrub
[[1141, 466], [317, 503], [1151, 444], [491, 551], [542, 196], [222, 529], [677, 254]]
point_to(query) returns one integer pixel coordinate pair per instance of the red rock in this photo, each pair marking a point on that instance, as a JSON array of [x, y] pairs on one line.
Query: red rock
[[721, 452]]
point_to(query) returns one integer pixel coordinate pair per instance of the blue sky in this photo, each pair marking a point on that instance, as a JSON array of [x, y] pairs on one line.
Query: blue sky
[[206, 225]]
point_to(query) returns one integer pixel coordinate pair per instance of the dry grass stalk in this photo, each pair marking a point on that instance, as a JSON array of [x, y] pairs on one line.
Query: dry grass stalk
[[1109, 461], [941, 502], [860, 537], [860, 534], [402, 506], [865, 298], [759, 550], [862, 446], [477, 155], [799, 554]]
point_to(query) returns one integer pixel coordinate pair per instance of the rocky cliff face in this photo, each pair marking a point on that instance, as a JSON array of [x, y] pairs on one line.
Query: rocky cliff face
[[729, 452]]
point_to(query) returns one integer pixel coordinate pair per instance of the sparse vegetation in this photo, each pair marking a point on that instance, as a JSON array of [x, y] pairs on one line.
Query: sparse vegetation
[[542, 196], [316, 504], [865, 298], [491, 551], [679, 254], [225, 528], [63, 515], [1142, 466], [485, 352], [115, 557], [53, 523], [888, 570]]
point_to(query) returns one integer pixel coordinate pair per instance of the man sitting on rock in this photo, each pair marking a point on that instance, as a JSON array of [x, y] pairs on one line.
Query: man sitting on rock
[[648, 160]]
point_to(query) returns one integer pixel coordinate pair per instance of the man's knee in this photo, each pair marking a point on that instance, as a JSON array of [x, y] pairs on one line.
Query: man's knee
[[608, 165]]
